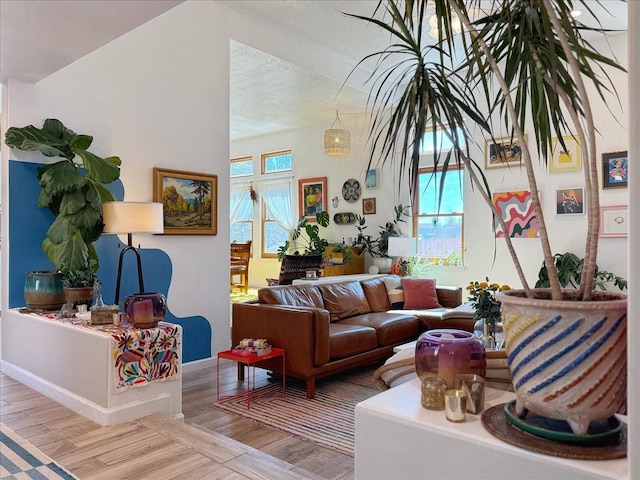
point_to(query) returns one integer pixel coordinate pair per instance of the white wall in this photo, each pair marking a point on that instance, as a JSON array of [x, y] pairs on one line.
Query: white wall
[[310, 161], [157, 96]]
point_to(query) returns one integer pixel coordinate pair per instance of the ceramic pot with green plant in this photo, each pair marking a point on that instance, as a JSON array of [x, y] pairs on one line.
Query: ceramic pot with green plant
[[73, 191], [520, 66], [340, 253]]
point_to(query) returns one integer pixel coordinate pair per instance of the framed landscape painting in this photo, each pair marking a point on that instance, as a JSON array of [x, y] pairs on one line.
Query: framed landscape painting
[[312, 196], [190, 201]]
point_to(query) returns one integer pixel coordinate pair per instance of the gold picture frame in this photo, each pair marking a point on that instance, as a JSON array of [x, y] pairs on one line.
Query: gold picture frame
[[502, 152], [190, 201]]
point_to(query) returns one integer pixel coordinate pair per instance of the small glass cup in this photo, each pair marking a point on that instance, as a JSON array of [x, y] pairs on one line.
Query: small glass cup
[[473, 386], [433, 389], [455, 405]]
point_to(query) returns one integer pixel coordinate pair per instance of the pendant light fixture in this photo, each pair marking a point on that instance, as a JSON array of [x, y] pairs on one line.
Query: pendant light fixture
[[337, 140]]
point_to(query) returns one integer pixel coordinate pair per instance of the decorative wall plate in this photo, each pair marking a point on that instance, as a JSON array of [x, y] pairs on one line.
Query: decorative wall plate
[[344, 218], [351, 190]]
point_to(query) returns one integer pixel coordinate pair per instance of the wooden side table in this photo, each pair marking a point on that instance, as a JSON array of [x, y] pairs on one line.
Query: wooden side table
[[250, 362]]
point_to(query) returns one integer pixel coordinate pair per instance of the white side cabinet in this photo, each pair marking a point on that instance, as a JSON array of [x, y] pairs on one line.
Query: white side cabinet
[[75, 367], [396, 437]]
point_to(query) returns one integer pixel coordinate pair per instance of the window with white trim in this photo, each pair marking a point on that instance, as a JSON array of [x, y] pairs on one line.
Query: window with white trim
[[275, 162], [438, 219]]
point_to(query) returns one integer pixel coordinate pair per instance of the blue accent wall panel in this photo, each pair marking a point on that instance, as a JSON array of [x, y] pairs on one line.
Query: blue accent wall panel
[[28, 226]]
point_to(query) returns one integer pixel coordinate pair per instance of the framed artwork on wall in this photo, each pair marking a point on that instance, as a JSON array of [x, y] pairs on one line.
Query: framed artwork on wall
[[369, 206], [312, 197], [502, 153], [570, 201], [371, 181], [190, 201], [614, 221], [615, 170], [517, 211], [567, 158]]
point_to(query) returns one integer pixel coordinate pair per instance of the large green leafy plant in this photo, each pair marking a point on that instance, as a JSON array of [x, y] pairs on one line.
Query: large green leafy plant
[[307, 233], [524, 62], [74, 192]]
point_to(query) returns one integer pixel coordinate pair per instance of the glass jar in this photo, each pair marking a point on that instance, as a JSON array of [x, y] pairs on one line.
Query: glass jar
[[145, 310], [448, 352], [433, 389]]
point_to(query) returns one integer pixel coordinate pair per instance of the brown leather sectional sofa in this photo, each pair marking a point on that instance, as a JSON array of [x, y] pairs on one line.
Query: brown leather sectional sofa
[[330, 327]]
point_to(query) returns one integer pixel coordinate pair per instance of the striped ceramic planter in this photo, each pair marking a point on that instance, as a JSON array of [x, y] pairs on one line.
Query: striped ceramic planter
[[568, 359]]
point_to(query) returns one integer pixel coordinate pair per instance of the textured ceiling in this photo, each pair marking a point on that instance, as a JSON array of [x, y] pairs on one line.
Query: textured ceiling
[[38, 37], [270, 95]]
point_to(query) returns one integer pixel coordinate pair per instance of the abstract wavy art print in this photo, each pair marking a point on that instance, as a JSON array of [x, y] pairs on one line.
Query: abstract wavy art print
[[517, 212]]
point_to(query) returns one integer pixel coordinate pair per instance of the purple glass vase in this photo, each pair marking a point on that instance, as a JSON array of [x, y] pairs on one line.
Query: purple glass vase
[[448, 352], [145, 310]]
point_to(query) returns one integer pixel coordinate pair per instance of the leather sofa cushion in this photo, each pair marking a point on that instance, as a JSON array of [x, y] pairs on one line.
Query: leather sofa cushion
[[376, 293], [303, 296], [390, 327], [344, 299], [348, 340]]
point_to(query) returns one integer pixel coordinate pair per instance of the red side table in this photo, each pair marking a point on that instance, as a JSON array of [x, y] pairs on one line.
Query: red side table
[[251, 362]]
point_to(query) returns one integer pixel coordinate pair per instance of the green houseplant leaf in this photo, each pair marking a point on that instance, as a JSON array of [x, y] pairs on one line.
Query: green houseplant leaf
[[526, 60], [74, 193]]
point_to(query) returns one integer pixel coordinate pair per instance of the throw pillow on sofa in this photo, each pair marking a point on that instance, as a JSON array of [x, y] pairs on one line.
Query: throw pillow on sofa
[[420, 293], [393, 283]]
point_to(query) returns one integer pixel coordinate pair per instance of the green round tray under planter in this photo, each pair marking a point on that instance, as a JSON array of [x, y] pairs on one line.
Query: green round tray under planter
[[605, 432]]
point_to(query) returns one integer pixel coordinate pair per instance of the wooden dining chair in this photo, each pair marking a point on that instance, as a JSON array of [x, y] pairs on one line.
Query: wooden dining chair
[[239, 266]]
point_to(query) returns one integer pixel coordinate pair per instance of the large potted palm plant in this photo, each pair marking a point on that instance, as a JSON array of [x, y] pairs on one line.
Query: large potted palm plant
[[74, 192], [529, 62]]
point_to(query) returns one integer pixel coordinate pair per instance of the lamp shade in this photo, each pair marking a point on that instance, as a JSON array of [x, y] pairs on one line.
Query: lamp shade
[[133, 217], [402, 247], [337, 140]]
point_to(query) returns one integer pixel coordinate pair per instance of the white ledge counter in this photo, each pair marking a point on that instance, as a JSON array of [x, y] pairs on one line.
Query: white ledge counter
[[397, 438], [75, 366]]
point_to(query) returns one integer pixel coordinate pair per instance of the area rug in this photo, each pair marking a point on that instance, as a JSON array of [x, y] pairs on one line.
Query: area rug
[[20, 459], [327, 420]]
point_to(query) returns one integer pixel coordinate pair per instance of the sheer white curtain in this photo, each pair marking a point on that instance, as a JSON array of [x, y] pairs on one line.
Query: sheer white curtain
[[239, 192], [276, 194]]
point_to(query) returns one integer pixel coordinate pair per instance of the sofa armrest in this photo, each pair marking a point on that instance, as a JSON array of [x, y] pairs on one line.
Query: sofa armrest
[[449, 297], [302, 331]]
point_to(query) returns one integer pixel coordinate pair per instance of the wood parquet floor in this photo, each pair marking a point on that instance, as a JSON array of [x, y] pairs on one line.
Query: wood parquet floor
[[210, 444]]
